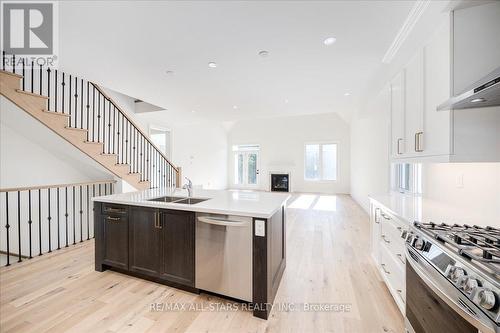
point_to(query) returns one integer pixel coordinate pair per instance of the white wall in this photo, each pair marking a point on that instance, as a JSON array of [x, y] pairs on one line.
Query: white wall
[[478, 196], [31, 154], [370, 150], [282, 143], [199, 147]]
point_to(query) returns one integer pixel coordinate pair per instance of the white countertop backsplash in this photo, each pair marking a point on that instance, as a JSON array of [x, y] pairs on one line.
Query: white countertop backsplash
[[416, 208], [228, 202]]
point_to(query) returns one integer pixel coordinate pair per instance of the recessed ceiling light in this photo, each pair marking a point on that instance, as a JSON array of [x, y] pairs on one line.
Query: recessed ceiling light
[[329, 40], [286, 101], [235, 107], [193, 111], [169, 72], [478, 100], [263, 53], [347, 94], [212, 64]]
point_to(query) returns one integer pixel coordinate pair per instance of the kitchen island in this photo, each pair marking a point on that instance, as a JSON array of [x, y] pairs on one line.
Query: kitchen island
[[231, 243]]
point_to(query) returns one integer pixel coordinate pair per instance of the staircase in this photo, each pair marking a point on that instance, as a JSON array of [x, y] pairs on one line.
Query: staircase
[[81, 113]]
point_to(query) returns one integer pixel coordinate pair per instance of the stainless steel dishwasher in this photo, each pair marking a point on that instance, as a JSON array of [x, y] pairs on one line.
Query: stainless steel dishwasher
[[224, 255]]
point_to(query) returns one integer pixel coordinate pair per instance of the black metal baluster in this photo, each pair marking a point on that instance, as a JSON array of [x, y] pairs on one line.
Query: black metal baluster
[[40, 78], [55, 90], [141, 141], [32, 75], [98, 116], [81, 104], [19, 225], [63, 84], [7, 226], [3, 60], [58, 222], [88, 213], [29, 221], [88, 112], [66, 214], [76, 102], [109, 127], [99, 189], [39, 222], [14, 63], [48, 88], [23, 60], [105, 189], [81, 216], [49, 218], [126, 144], [104, 126], [93, 113], [74, 217]]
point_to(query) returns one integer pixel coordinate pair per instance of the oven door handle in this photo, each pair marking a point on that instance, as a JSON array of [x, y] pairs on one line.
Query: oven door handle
[[471, 318]]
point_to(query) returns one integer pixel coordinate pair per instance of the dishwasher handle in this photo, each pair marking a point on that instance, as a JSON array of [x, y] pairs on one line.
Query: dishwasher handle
[[223, 222]]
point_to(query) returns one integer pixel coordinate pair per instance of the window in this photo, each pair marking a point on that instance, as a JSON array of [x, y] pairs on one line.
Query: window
[[161, 138], [321, 161], [246, 168], [406, 177]]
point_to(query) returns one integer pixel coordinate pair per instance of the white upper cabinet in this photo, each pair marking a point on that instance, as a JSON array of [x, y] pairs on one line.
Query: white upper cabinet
[[414, 105], [397, 115], [436, 137], [476, 44]]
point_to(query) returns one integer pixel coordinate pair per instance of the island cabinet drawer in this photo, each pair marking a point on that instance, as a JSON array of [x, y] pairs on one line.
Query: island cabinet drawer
[[114, 209]]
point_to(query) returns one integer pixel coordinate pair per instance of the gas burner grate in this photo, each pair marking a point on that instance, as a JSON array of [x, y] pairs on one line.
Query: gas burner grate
[[481, 244]]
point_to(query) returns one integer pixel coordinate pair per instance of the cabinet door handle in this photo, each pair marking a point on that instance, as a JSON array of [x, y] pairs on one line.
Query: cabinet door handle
[[399, 228], [399, 146], [113, 219], [400, 256], [418, 141], [377, 210], [385, 216], [114, 210], [385, 240], [157, 220], [383, 268]]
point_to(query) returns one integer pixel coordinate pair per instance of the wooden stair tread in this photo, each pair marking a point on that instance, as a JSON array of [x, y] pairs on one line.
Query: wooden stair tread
[[31, 94], [76, 129], [93, 143], [57, 113], [10, 73]]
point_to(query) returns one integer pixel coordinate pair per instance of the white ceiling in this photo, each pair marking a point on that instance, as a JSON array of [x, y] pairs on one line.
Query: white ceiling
[[129, 46]]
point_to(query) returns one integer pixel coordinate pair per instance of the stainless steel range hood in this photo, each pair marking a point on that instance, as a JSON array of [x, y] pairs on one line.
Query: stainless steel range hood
[[485, 92]]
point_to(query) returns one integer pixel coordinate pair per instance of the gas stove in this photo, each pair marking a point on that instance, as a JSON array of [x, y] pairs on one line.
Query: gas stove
[[467, 261]]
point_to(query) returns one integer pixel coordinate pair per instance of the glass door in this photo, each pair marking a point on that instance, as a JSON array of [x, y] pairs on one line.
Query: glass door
[[246, 168]]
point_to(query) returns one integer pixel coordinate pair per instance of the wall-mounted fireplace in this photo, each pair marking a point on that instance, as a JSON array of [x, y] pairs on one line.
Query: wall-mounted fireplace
[[280, 182]]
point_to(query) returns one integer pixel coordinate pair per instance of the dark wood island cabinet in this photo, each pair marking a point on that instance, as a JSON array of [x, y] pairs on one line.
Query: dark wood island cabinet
[[159, 244]]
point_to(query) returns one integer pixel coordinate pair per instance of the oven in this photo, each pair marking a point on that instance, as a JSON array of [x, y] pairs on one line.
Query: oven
[[435, 305]]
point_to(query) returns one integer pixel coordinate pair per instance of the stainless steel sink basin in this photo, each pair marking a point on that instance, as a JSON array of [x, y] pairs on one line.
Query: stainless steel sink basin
[[167, 199], [190, 201], [181, 200]]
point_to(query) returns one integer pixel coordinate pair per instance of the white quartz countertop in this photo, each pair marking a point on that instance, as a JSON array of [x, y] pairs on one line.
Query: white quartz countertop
[[416, 208], [228, 202]]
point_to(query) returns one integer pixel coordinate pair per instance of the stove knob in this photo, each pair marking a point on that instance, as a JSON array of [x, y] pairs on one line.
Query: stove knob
[[470, 285], [419, 244], [455, 273], [462, 281], [487, 299]]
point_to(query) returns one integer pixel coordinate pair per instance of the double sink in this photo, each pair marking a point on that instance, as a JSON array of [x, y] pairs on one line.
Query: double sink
[[179, 200]]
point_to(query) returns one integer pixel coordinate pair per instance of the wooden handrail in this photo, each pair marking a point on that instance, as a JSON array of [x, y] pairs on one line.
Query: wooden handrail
[[41, 187], [134, 124]]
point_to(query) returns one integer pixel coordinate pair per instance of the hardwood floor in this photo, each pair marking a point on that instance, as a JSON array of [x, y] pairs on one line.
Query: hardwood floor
[[328, 262]]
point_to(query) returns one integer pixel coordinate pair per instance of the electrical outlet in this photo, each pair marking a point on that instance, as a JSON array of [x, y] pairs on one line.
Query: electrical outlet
[[260, 228]]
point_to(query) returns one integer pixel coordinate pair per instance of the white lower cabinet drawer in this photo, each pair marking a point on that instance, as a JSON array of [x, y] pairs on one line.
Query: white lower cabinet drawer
[[394, 275]]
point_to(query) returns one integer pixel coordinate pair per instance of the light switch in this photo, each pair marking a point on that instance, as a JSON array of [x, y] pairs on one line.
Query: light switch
[[260, 228]]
